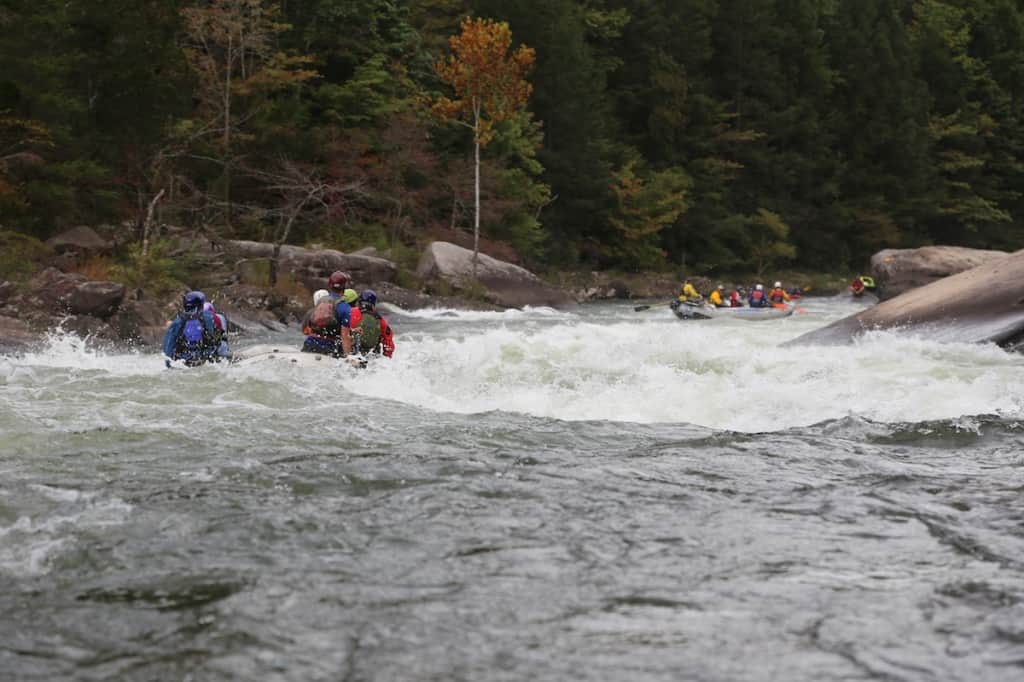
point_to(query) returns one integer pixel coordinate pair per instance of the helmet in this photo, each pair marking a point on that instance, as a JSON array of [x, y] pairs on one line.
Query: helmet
[[208, 307], [337, 281], [368, 297], [320, 295], [721, 287], [777, 284], [350, 296], [759, 287], [193, 300]]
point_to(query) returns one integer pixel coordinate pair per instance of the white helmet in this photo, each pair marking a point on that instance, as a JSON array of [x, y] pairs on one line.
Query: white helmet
[[759, 287], [320, 295], [777, 284], [721, 287]]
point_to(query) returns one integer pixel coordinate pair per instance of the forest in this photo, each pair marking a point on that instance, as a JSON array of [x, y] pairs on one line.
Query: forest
[[704, 135]]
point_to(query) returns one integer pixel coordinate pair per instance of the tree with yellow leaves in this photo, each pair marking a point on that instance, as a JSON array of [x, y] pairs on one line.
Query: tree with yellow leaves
[[489, 85]]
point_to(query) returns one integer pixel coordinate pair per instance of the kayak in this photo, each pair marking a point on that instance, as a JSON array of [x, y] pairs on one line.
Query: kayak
[[703, 311], [290, 355]]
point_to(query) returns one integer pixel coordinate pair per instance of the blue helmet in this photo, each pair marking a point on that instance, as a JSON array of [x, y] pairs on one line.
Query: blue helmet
[[193, 300], [368, 297]]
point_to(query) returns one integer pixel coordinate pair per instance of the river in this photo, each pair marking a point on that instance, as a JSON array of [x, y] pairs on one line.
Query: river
[[591, 494]]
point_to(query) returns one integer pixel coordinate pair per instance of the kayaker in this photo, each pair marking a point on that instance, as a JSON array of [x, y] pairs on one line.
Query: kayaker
[[757, 298], [689, 294], [371, 333], [778, 294], [736, 297], [220, 321], [327, 325], [715, 298], [192, 335]]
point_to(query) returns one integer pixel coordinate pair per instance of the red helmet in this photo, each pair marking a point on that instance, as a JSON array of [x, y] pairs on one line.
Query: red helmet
[[337, 281]]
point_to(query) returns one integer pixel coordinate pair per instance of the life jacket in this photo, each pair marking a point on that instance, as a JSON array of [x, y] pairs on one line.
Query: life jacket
[[366, 331], [757, 299], [195, 345], [324, 320], [734, 300], [777, 296]]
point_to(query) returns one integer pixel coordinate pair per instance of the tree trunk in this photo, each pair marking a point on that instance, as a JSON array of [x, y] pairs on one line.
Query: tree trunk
[[230, 60], [149, 221], [476, 213]]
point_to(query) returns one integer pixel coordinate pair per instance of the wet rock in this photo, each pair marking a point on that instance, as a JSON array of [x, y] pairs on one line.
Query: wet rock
[[87, 327], [311, 266], [503, 283], [15, 335], [99, 299], [899, 270], [82, 240], [51, 289], [982, 305]]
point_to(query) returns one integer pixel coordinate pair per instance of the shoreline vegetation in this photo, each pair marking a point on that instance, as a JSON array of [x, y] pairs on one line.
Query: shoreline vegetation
[[700, 137]]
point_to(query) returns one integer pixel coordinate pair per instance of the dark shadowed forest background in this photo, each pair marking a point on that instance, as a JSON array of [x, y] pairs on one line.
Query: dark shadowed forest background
[[705, 135]]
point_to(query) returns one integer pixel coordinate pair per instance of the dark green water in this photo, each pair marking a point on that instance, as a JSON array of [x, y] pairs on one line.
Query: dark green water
[[592, 495]]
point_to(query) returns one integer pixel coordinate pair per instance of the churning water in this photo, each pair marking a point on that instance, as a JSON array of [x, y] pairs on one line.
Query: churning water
[[598, 494]]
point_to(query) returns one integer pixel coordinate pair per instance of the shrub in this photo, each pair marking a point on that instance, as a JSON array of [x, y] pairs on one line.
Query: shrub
[[20, 255]]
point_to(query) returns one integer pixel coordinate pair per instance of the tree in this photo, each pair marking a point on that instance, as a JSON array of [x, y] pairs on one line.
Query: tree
[[646, 204], [231, 47], [490, 87], [768, 244]]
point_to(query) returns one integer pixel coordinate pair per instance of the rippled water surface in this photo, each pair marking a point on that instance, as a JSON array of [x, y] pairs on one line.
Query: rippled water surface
[[594, 494]]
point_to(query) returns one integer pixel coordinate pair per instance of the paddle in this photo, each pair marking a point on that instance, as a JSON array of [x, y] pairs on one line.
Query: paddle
[[648, 307]]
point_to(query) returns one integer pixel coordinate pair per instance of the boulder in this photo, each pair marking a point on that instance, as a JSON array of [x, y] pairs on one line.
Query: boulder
[[897, 271], [141, 322], [310, 266], [82, 240], [99, 299], [983, 304], [51, 289], [15, 335], [505, 284], [7, 290]]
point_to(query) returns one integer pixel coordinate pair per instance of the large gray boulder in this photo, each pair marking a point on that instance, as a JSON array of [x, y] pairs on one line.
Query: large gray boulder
[[983, 304], [505, 284], [897, 271], [81, 240], [308, 265], [99, 299]]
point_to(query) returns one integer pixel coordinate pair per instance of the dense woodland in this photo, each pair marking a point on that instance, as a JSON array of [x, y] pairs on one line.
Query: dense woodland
[[705, 135]]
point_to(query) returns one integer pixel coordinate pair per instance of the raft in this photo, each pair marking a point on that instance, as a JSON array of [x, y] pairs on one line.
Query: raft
[[704, 311], [276, 353]]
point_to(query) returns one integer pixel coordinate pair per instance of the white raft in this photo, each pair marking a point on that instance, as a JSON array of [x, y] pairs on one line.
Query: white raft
[[286, 354]]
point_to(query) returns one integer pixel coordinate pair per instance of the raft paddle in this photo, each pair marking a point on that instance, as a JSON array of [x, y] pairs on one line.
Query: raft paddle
[[638, 308]]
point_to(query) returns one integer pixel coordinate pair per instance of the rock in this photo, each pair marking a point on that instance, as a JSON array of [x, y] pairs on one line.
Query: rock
[[99, 299], [899, 270], [505, 284], [51, 289], [367, 251], [141, 322], [983, 304], [15, 335], [93, 328], [309, 266], [7, 290], [82, 240], [253, 271]]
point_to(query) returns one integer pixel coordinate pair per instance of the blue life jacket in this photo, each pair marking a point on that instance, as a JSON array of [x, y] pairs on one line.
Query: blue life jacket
[[195, 341]]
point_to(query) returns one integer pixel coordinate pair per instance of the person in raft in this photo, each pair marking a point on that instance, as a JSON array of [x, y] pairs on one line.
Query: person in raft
[[371, 333], [327, 325], [192, 335]]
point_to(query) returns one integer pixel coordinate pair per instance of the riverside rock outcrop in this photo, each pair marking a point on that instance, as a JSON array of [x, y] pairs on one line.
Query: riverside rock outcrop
[[504, 284], [983, 304], [897, 271], [312, 267]]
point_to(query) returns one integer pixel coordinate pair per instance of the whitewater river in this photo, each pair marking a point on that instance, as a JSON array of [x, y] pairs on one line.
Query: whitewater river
[[593, 494]]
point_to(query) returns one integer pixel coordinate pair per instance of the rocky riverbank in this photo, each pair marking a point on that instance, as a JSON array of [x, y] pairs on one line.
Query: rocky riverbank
[[70, 285]]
